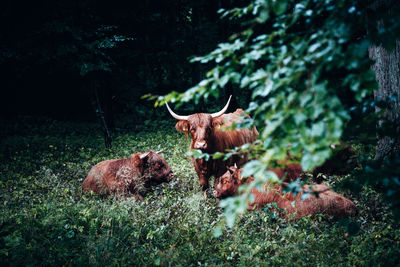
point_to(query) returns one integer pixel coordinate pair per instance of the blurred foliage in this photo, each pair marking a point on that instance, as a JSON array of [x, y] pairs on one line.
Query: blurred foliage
[[45, 219], [306, 66]]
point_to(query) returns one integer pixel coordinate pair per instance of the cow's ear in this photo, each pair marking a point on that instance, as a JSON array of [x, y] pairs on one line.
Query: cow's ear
[[233, 169], [238, 177], [182, 126], [141, 158], [136, 159], [217, 122]]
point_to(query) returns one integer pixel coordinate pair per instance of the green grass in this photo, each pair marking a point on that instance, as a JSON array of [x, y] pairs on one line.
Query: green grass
[[45, 219]]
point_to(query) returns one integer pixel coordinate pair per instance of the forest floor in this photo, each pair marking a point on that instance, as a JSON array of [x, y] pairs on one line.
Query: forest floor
[[45, 219]]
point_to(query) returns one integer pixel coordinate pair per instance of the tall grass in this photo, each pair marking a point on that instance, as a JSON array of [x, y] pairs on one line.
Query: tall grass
[[45, 219]]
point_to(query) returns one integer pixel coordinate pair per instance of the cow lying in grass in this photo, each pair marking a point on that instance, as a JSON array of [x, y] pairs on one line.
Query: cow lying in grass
[[134, 175], [343, 160], [322, 200]]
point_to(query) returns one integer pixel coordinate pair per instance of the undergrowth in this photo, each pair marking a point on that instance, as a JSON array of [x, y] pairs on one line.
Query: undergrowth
[[45, 219]]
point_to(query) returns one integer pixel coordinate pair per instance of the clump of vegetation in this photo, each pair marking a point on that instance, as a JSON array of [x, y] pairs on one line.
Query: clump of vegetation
[[45, 219], [317, 73]]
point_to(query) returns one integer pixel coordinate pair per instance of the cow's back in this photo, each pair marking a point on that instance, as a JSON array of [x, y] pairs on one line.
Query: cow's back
[[94, 179], [107, 175], [327, 202], [228, 139]]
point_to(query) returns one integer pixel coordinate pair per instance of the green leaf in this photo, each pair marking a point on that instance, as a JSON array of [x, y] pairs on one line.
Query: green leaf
[[217, 232], [279, 6], [252, 167], [218, 155]]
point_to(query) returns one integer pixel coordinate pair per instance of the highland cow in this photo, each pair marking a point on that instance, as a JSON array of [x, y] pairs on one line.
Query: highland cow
[[321, 200], [208, 135], [129, 176]]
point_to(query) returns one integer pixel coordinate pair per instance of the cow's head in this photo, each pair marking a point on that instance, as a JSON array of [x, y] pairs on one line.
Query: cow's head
[[199, 125], [228, 184], [155, 168]]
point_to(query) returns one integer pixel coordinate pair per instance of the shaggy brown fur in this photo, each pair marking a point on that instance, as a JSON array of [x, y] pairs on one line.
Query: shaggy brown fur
[[328, 202], [289, 172], [208, 135], [134, 175]]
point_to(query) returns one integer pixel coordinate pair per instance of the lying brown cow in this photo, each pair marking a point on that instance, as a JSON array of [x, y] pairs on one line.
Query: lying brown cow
[[134, 175], [208, 136], [343, 160], [327, 202]]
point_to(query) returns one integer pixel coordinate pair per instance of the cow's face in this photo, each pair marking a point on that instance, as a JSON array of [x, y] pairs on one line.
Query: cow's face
[[155, 167], [228, 184], [200, 127]]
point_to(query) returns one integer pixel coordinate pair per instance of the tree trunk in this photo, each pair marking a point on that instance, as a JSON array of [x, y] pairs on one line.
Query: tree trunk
[[387, 69], [98, 104]]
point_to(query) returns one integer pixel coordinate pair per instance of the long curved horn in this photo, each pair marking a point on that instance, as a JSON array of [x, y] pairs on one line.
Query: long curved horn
[[144, 155], [219, 113], [176, 116]]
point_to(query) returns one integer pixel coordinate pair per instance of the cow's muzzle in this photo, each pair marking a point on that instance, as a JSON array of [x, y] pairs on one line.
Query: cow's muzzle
[[200, 144]]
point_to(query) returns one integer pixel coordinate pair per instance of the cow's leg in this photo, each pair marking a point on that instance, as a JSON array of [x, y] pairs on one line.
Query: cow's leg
[[200, 166], [203, 182]]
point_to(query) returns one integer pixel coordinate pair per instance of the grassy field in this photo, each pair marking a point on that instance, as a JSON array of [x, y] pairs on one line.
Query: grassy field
[[45, 219]]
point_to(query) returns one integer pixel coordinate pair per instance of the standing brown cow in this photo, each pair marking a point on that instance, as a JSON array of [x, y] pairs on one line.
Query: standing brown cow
[[134, 175], [327, 202], [208, 135]]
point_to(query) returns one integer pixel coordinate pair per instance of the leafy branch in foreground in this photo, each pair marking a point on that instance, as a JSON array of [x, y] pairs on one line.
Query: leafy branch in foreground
[[305, 65]]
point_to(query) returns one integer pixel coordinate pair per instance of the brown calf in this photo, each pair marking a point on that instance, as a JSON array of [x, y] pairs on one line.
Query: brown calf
[[134, 175], [328, 202]]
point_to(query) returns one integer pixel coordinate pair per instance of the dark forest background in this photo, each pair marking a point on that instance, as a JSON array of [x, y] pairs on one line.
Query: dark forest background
[[68, 59]]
